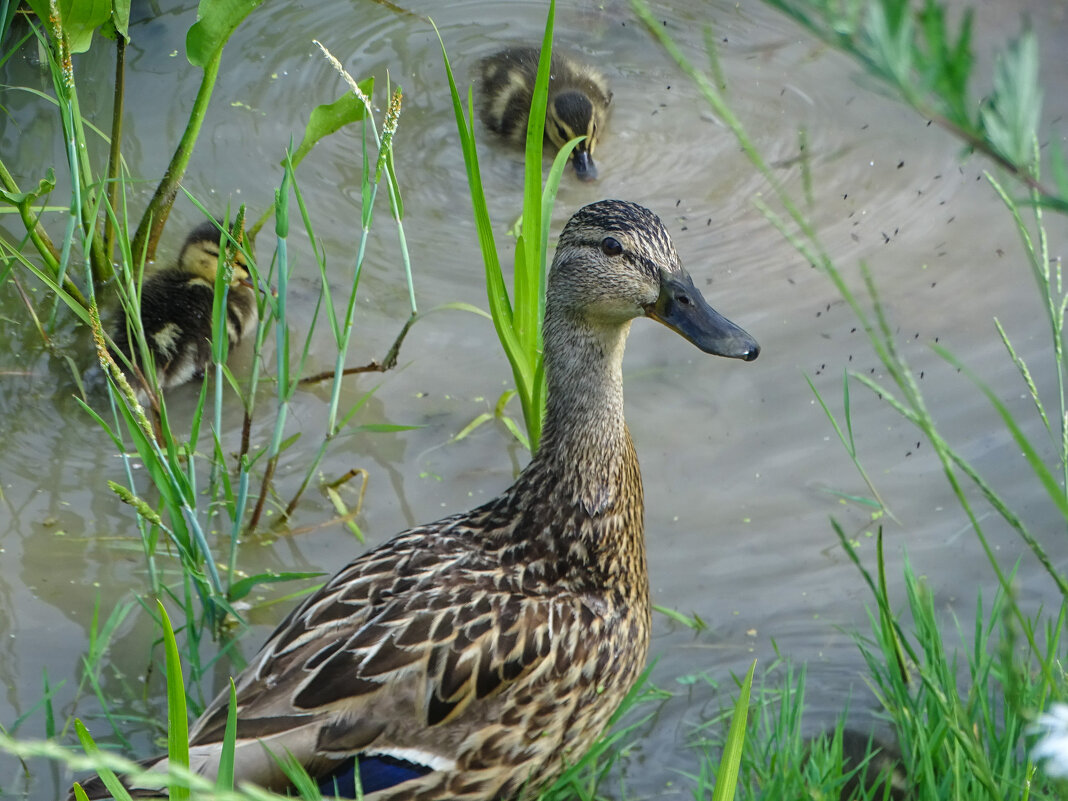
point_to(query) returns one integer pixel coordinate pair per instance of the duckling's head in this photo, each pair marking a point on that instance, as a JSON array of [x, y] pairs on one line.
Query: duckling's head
[[615, 261], [200, 255], [572, 113]]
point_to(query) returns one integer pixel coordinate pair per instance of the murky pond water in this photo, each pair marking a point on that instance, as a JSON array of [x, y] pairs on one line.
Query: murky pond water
[[742, 470]]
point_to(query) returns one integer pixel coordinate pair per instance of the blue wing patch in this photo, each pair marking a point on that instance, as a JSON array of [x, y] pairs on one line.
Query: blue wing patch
[[377, 772]]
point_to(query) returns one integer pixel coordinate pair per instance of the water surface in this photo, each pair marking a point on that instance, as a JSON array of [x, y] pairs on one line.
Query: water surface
[[742, 470]]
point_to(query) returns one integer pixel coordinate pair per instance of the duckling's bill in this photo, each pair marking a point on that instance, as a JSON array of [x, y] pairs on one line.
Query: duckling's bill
[[683, 309], [585, 169]]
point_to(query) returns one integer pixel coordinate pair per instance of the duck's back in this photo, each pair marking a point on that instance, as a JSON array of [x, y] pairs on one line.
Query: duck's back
[[471, 647]]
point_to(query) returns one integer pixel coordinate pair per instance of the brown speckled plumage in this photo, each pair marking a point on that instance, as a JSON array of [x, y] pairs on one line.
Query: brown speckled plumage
[[489, 649], [176, 310]]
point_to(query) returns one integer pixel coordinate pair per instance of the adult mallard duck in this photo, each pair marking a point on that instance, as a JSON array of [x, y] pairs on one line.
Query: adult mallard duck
[[474, 657], [176, 310], [577, 102]]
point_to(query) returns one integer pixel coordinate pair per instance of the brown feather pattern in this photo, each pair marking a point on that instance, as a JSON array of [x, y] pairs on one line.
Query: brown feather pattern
[[494, 645]]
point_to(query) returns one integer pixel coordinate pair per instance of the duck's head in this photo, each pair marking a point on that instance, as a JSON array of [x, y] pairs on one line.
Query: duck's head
[[615, 261], [574, 113], [200, 255]]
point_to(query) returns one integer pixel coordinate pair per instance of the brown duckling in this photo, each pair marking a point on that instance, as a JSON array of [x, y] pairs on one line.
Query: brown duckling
[[176, 310], [577, 103]]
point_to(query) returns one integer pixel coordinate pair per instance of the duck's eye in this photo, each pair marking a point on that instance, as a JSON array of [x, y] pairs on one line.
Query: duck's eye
[[611, 246], [682, 300]]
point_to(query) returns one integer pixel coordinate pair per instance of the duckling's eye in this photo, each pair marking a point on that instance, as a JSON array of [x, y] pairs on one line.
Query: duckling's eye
[[611, 246]]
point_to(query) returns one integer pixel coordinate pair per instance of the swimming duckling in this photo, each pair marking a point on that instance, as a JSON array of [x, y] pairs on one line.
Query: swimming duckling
[[577, 102], [176, 310], [474, 658]]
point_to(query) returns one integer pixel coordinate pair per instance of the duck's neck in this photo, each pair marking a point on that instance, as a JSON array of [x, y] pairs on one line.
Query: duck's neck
[[584, 424], [584, 477]]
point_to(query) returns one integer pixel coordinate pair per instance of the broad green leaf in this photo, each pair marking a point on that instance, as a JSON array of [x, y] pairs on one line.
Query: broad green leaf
[[120, 17], [330, 117], [216, 20], [77, 20]]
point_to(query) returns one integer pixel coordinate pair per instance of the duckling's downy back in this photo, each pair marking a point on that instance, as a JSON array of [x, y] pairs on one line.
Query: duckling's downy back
[[577, 105], [176, 310]]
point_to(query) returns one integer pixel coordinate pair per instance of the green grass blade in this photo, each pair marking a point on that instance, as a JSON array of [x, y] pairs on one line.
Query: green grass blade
[[727, 776], [177, 714], [527, 274], [225, 778], [111, 781]]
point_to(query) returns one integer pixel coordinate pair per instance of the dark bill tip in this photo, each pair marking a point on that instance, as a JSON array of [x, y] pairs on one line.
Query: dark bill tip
[[683, 309], [585, 169]]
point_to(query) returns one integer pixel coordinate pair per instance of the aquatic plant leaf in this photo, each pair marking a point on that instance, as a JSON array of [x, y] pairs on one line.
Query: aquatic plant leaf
[[694, 622], [239, 589], [77, 20], [216, 20], [330, 117], [120, 17], [44, 187]]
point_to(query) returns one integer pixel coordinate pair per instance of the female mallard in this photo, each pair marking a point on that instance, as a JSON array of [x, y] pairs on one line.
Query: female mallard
[[577, 103], [176, 310], [474, 657]]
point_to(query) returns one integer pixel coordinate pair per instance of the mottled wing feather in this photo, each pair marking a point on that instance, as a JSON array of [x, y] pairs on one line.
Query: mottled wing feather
[[376, 654]]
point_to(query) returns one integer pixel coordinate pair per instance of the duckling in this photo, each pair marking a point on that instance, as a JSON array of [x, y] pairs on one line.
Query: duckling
[[874, 765], [475, 657], [176, 310], [577, 102], [882, 766]]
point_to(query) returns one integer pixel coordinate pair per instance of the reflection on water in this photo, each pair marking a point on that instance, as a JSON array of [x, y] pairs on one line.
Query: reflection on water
[[742, 470]]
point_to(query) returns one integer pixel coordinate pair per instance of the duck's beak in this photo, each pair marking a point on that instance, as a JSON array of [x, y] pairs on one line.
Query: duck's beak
[[585, 169], [685, 311]]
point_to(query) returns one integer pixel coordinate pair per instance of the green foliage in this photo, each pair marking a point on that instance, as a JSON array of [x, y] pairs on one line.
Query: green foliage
[[331, 117], [928, 65], [727, 775], [177, 717], [78, 19], [216, 21], [517, 319]]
